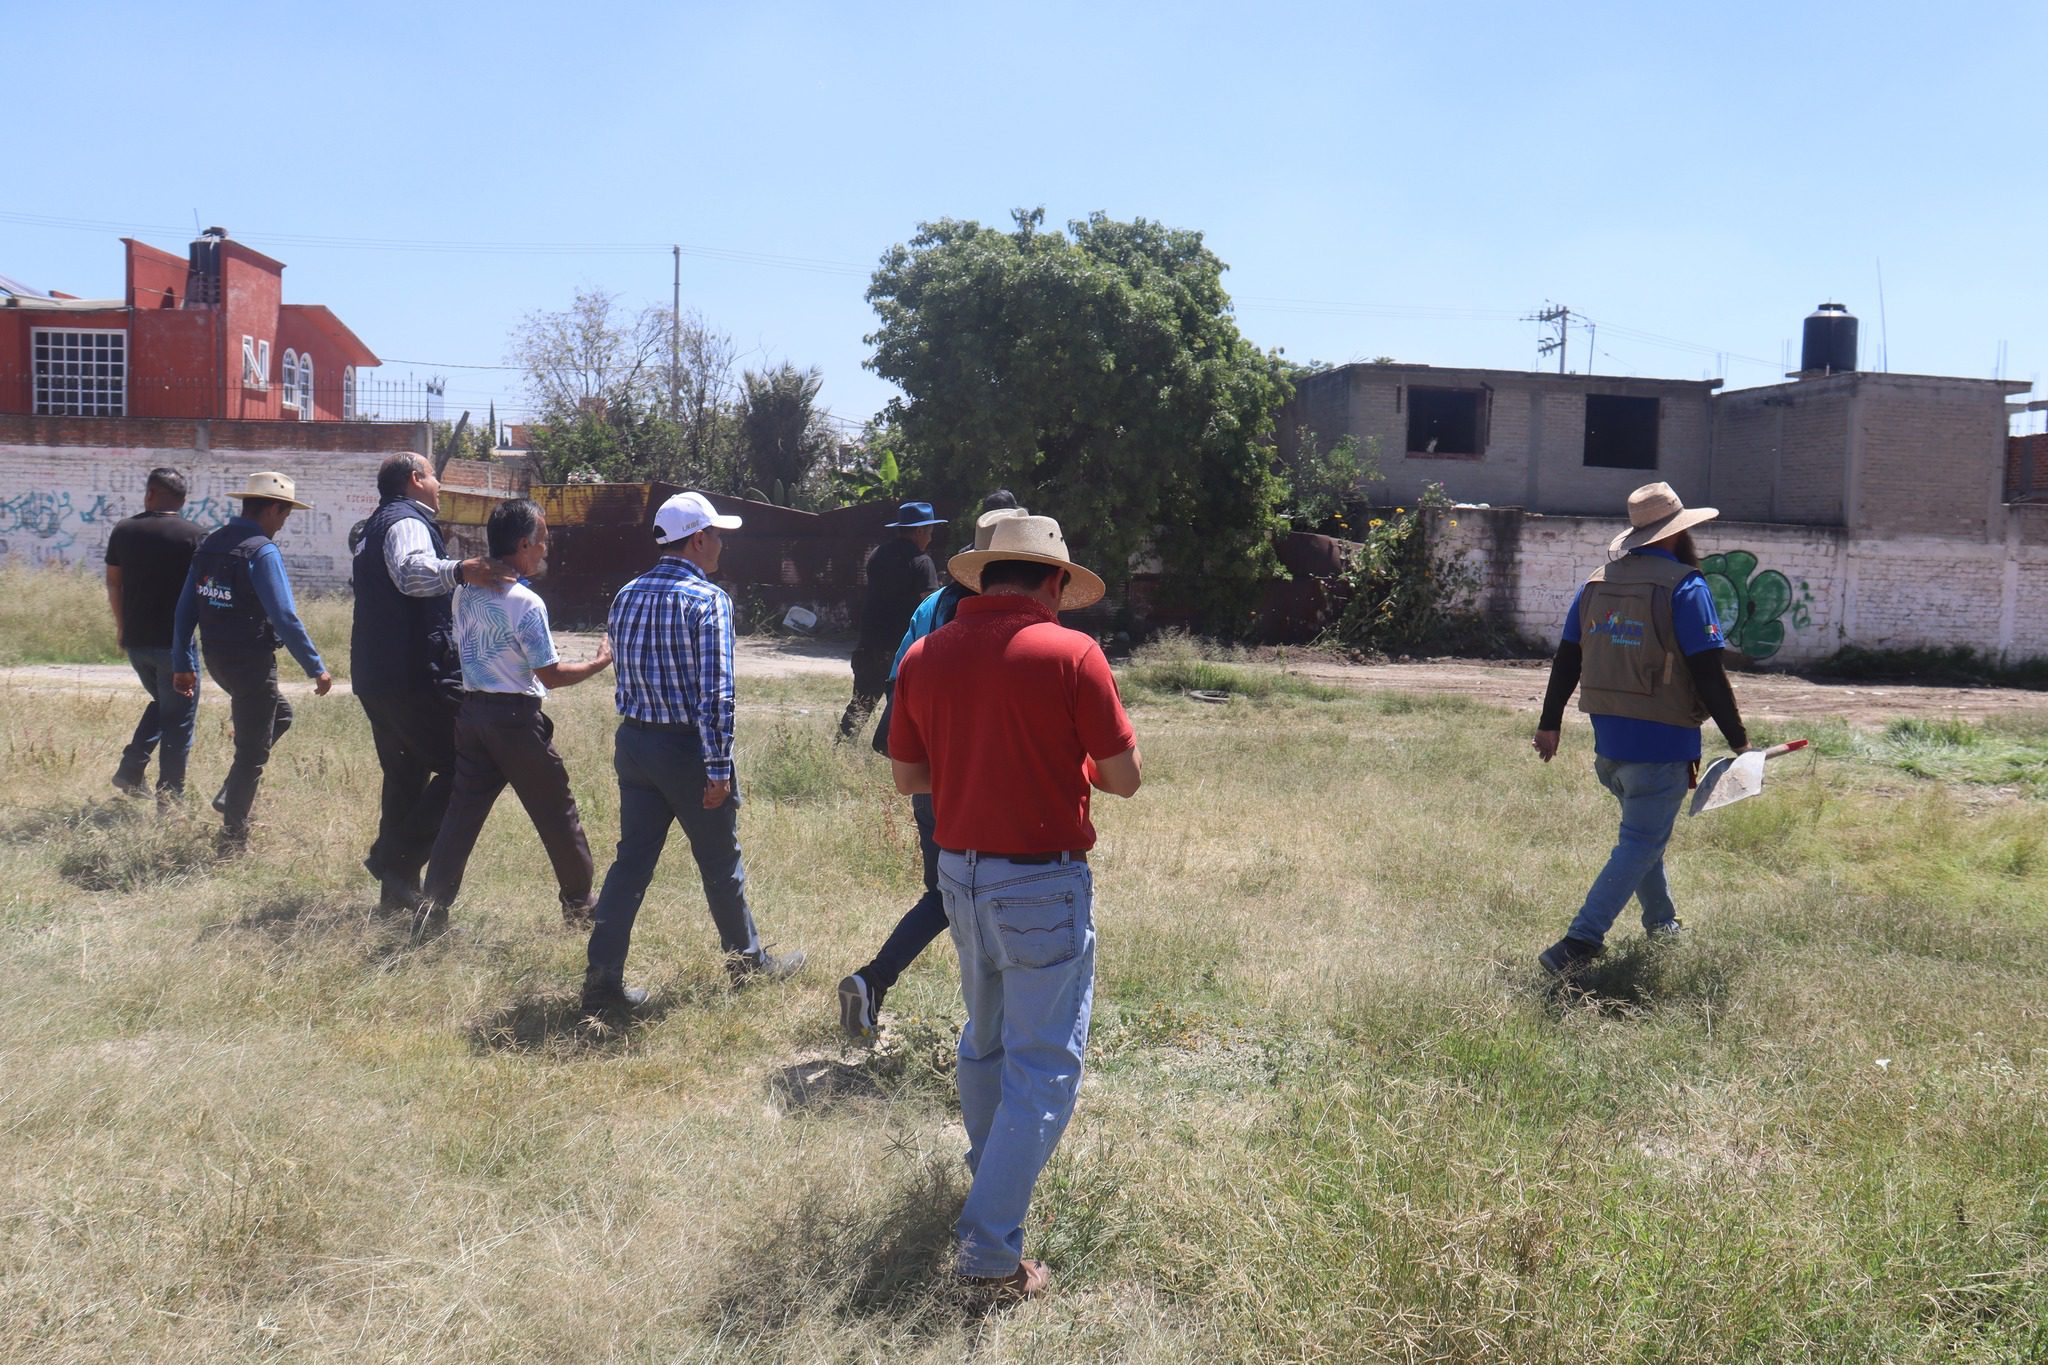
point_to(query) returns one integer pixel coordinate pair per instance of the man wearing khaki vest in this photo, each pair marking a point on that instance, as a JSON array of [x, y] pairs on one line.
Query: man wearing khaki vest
[[1643, 638]]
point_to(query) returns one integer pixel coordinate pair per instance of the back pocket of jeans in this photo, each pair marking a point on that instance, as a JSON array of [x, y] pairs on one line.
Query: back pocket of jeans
[[1037, 931]]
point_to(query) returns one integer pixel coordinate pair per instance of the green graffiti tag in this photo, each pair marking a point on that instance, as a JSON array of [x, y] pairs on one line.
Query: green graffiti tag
[[1751, 605]]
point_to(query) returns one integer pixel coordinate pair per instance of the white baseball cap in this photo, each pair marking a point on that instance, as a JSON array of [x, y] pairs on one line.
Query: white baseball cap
[[684, 515]]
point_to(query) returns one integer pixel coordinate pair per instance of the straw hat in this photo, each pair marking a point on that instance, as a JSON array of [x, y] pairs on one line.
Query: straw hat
[[1654, 512], [985, 524], [275, 486], [1036, 540]]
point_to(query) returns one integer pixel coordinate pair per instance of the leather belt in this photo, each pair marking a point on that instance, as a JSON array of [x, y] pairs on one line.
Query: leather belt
[[663, 727], [1075, 855]]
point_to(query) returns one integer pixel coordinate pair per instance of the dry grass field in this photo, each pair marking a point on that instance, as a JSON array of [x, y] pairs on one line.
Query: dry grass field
[[1331, 1113]]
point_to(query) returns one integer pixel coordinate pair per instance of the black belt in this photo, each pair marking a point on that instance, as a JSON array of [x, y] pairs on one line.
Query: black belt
[[1078, 855], [499, 696], [661, 727]]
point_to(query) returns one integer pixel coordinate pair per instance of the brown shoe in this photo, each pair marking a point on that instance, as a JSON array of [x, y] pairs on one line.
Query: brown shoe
[[1027, 1281], [579, 916]]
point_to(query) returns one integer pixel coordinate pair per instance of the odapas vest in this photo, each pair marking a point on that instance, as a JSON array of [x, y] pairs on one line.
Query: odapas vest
[[231, 615], [1633, 665], [398, 643]]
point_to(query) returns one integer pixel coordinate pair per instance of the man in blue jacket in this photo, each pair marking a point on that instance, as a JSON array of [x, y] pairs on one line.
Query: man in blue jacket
[[239, 601]]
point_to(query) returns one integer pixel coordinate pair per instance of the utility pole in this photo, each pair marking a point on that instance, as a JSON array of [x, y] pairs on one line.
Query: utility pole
[[675, 343], [1560, 317]]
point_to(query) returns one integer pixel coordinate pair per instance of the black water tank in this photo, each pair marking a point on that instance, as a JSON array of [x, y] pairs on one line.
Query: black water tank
[[1830, 343], [202, 269]]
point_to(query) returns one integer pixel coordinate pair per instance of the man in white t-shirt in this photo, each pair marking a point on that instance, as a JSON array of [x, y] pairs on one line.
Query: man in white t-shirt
[[501, 734]]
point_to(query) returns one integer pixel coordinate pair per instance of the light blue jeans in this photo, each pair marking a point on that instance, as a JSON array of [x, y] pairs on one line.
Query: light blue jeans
[[1025, 933], [1650, 795]]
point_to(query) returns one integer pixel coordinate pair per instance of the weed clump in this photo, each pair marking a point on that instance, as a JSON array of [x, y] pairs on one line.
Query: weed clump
[[1176, 664], [124, 852]]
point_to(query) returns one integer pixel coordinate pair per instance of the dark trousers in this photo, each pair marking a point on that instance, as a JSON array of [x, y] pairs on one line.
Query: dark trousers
[[260, 715], [505, 738], [661, 782], [168, 719], [870, 681], [415, 737], [920, 924]]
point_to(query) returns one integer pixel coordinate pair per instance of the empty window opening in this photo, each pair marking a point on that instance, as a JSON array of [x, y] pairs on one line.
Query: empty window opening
[[1621, 433], [1446, 421]]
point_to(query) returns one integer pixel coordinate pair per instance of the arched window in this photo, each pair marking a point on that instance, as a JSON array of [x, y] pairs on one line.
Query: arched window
[[305, 388], [348, 393], [291, 378]]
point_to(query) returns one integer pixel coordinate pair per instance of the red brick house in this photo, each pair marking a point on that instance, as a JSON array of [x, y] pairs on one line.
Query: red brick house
[[205, 335]]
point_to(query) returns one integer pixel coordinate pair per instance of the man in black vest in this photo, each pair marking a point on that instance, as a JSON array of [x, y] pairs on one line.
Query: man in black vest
[[238, 600], [404, 668]]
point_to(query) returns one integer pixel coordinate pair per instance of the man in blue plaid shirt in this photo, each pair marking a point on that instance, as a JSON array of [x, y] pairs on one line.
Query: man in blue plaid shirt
[[671, 632]]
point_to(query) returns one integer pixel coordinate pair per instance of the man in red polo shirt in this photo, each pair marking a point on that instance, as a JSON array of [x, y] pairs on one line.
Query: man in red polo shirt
[[1008, 718]]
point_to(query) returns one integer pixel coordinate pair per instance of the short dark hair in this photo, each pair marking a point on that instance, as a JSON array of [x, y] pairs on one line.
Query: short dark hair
[[253, 508], [167, 481], [394, 476], [510, 523], [998, 500], [1017, 573]]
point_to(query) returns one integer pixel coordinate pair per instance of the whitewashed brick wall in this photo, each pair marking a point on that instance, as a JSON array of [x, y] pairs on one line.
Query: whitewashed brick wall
[[59, 503], [1880, 594]]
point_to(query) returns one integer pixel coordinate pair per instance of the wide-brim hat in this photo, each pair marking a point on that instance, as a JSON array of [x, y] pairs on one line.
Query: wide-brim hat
[[1035, 540], [1655, 511], [911, 515], [985, 524], [270, 484]]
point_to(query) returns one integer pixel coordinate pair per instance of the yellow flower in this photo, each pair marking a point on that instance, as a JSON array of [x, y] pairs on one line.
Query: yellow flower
[[1400, 509], [1374, 522], [1454, 523]]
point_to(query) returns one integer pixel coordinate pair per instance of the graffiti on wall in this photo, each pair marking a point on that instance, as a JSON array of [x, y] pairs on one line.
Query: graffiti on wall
[[64, 519], [1755, 606]]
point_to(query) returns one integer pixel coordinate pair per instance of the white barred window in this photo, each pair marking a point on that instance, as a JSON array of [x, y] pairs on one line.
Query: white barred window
[[305, 388], [79, 373], [291, 378], [348, 393]]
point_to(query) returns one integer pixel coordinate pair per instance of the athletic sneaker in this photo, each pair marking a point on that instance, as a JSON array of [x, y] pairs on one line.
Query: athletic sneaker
[[1670, 931], [860, 1007]]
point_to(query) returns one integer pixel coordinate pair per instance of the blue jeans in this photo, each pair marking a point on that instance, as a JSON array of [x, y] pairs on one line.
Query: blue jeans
[[168, 719], [922, 922], [661, 782], [1650, 795], [1025, 933]]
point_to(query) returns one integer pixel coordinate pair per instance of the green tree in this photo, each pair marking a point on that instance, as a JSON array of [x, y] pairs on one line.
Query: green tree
[[783, 435], [1097, 373]]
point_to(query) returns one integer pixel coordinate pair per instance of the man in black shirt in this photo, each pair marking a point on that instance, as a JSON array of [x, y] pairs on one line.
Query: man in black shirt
[[900, 575], [147, 559]]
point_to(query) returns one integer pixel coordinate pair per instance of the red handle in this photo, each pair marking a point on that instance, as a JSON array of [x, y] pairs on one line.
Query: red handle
[[1789, 746]]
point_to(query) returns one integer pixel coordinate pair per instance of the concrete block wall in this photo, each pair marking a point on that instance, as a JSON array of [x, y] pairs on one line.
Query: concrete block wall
[[1535, 434], [65, 485], [1931, 456], [1877, 593]]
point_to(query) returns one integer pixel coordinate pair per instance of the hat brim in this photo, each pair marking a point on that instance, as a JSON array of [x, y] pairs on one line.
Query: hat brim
[[272, 497], [1084, 587], [1637, 537], [912, 525]]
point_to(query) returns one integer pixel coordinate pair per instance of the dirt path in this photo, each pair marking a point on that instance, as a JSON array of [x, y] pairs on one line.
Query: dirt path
[[1765, 696], [754, 658]]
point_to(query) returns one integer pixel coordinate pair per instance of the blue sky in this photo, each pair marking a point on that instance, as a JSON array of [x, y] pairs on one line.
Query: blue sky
[[1404, 180]]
